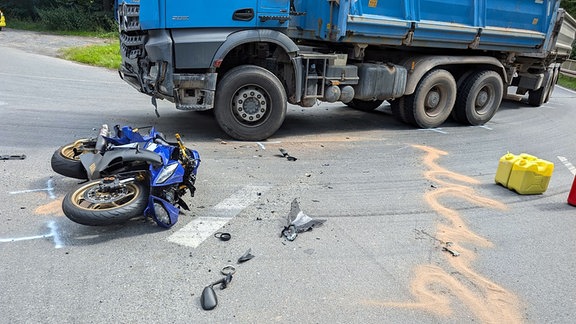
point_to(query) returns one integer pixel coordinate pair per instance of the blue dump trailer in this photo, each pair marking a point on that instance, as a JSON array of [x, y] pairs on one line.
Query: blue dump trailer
[[430, 59]]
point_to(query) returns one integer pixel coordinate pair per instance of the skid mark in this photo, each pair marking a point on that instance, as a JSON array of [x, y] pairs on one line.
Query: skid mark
[[436, 289]]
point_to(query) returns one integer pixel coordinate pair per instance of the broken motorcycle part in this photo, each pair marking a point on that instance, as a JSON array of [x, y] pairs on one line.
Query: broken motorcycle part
[[13, 157], [298, 222], [222, 236], [246, 256], [287, 156], [208, 299], [448, 249]]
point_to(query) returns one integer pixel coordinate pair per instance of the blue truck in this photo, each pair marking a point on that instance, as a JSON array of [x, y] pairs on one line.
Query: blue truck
[[430, 59]]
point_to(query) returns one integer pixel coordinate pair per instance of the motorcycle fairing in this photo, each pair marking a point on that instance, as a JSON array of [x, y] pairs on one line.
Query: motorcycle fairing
[[96, 163], [172, 210]]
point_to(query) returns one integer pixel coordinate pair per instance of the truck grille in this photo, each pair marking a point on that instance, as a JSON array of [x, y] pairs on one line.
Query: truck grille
[[132, 38], [128, 17]]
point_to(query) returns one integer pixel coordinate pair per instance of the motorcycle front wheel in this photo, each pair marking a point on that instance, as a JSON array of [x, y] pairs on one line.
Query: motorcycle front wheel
[[95, 204], [66, 160]]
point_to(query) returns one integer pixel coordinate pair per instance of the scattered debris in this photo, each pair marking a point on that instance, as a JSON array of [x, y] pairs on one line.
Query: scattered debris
[[298, 222], [450, 250], [287, 156], [13, 157], [246, 256], [222, 236], [208, 299]]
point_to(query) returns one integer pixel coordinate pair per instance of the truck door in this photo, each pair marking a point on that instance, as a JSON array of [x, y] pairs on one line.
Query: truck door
[[224, 13], [210, 13]]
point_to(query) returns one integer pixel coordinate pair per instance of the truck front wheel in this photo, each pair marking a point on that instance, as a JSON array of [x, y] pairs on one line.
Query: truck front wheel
[[432, 101], [250, 103], [478, 98]]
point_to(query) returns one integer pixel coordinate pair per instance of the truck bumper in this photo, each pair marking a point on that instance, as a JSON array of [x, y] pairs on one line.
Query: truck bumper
[[147, 65]]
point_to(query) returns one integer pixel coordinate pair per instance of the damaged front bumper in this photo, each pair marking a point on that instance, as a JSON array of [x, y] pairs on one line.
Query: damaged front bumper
[[147, 66]]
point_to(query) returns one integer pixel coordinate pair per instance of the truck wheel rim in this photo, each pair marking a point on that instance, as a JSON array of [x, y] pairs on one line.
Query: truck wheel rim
[[432, 102], [484, 100], [250, 104]]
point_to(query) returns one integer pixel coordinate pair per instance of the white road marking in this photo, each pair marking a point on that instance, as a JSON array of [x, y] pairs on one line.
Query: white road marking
[[486, 127], [53, 234], [437, 130], [2, 103], [567, 163], [199, 229], [49, 188]]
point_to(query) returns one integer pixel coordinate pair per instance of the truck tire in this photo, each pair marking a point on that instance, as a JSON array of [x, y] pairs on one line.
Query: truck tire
[[397, 107], [364, 105], [478, 98], [537, 97], [555, 76], [250, 103], [432, 101]]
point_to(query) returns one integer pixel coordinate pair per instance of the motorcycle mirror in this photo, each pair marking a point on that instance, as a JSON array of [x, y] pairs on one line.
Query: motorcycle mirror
[[208, 300]]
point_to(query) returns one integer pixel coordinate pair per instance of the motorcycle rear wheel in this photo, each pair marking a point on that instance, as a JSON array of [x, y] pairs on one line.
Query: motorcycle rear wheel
[[65, 162], [89, 205]]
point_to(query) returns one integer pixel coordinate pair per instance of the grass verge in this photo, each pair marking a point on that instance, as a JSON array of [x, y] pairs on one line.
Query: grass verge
[[107, 55], [567, 82]]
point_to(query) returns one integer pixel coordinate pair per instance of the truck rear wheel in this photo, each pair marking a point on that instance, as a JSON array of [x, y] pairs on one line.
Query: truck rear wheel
[[432, 101], [397, 107], [478, 98], [250, 103], [537, 97]]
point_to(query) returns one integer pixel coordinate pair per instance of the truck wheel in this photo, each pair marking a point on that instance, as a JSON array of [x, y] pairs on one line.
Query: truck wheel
[[478, 98], [364, 105], [250, 103], [555, 76], [432, 101], [537, 97], [397, 107]]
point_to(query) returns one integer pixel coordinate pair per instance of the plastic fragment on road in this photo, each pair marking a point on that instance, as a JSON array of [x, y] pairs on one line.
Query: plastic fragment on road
[[246, 256], [287, 156], [298, 222], [13, 157]]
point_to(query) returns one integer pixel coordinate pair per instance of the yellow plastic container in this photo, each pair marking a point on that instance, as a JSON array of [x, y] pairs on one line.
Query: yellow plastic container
[[505, 166], [530, 177]]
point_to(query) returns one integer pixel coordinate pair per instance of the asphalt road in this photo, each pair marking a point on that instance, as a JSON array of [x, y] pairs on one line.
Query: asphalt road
[[392, 197]]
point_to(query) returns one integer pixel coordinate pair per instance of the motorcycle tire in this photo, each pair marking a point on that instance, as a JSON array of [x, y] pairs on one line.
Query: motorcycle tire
[[65, 163], [87, 204]]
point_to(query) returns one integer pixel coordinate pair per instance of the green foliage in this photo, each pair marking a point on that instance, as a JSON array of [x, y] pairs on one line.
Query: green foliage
[[567, 82], [99, 55], [73, 19], [90, 15]]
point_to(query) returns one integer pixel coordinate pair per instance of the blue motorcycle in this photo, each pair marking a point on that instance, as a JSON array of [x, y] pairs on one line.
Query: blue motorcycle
[[130, 175]]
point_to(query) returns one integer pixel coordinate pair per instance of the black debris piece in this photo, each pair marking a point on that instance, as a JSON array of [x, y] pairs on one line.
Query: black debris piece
[[298, 222], [246, 256], [13, 157], [287, 156]]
